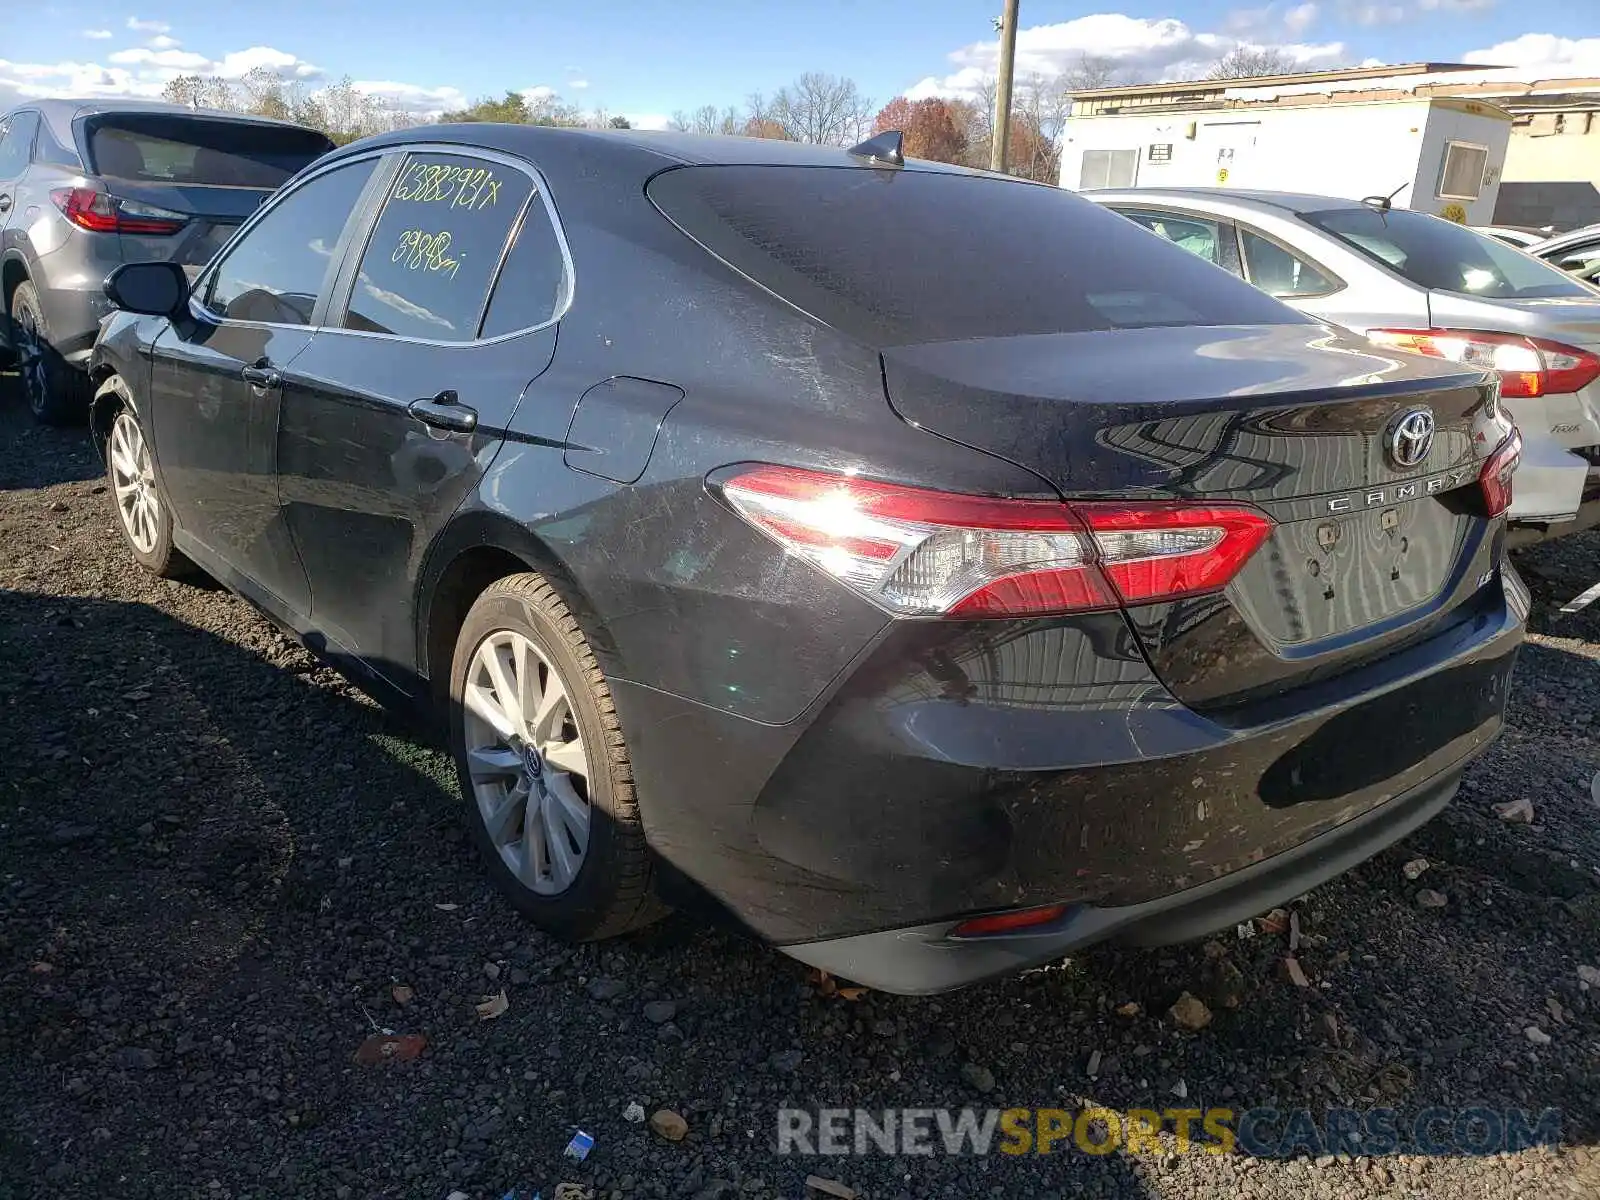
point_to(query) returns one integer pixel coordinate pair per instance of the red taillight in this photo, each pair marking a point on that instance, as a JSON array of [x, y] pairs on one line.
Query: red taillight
[[101, 212], [926, 553], [1010, 922], [1498, 469], [1528, 366]]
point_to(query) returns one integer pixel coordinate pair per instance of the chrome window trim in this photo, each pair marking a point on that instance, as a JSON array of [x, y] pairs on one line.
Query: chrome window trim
[[541, 190]]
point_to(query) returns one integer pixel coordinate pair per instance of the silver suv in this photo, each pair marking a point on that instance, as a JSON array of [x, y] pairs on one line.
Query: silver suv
[[86, 186]]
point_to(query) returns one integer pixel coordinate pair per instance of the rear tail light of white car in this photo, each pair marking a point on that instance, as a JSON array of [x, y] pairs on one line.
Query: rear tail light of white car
[[927, 553], [1528, 366], [101, 212]]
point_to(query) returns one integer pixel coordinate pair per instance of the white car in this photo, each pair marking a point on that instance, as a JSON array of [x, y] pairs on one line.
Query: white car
[[1511, 235], [1428, 286]]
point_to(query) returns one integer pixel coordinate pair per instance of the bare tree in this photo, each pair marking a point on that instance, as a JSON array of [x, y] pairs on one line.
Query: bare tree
[[1247, 62], [201, 91], [1042, 106], [823, 109], [1089, 72]]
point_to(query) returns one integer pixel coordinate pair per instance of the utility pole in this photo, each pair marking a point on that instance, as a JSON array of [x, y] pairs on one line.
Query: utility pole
[[1002, 90]]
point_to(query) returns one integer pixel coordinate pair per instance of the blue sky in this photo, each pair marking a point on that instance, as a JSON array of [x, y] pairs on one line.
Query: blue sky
[[647, 59]]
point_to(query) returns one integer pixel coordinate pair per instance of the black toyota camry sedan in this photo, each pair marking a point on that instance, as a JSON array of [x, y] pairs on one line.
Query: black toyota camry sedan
[[937, 570]]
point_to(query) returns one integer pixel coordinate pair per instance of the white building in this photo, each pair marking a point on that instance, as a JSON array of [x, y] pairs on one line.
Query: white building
[[1354, 133]]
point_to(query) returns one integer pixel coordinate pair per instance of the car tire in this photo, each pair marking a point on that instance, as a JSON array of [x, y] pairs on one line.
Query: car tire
[[57, 393], [579, 870], [143, 514]]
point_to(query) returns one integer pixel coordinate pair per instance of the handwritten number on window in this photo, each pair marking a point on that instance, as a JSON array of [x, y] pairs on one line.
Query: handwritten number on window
[[472, 188], [419, 250]]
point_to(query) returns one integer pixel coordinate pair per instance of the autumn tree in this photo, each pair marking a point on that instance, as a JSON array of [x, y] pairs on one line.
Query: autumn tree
[[929, 127], [1247, 62], [764, 127]]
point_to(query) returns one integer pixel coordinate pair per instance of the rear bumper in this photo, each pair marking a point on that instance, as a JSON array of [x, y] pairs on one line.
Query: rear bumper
[[73, 316], [957, 769], [926, 958]]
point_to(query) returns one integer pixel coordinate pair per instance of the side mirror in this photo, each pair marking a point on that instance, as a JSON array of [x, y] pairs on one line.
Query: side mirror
[[156, 289]]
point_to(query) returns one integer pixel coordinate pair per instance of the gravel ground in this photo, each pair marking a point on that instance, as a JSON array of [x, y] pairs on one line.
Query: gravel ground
[[222, 869]]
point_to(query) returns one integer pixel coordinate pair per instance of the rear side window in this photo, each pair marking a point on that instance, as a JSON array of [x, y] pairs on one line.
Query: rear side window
[[1442, 255], [533, 285], [1278, 271], [276, 270], [1198, 235], [900, 257], [169, 149], [436, 247], [16, 143], [1580, 257]]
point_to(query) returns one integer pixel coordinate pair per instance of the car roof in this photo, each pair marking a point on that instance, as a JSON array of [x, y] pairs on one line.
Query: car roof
[[1234, 199], [1562, 240], [59, 113], [540, 142]]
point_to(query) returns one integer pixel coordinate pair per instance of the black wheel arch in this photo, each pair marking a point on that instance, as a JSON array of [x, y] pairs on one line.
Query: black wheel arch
[[478, 548], [14, 273], [103, 408]]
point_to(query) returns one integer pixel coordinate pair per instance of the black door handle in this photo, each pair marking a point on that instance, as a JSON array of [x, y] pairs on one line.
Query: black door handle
[[261, 375], [444, 411]]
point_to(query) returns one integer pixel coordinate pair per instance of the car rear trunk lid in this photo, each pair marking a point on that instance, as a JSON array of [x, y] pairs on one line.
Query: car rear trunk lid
[[1295, 420], [213, 171]]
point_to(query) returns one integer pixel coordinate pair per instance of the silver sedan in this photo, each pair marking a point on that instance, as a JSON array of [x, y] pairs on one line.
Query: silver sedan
[[1428, 286]]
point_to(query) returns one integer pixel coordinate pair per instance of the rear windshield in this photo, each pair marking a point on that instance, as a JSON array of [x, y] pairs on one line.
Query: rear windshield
[[900, 257], [191, 150], [1444, 256]]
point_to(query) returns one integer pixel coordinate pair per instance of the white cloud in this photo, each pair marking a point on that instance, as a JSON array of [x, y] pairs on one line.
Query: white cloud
[[98, 35], [1138, 48], [284, 65], [648, 120], [1542, 56], [36, 80], [138, 26], [577, 85], [534, 95], [1376, 14], [180, 60], [162, 42], [1300, 18], [412, 98], [1392, 12], [143, 71]]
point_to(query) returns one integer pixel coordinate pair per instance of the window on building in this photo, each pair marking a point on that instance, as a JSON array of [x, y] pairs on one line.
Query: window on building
[[1461, 175], [1108, 169]]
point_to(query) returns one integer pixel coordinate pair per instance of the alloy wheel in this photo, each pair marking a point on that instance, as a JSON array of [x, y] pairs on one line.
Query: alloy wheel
[[527, 762], [134, 481], [30, 360]]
